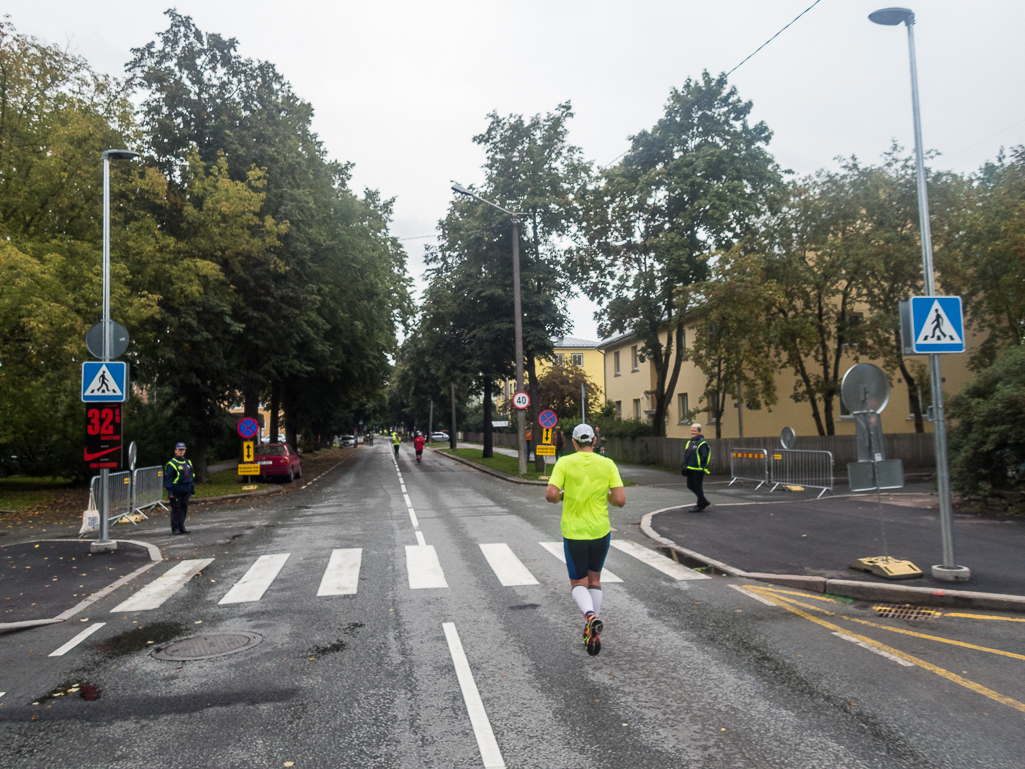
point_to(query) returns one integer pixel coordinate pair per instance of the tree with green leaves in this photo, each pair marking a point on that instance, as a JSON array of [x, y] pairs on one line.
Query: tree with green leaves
[[697, 183], [559, 389], [730, 345]]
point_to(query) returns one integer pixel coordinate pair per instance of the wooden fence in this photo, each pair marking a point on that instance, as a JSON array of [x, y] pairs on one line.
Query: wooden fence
[[915, 450]]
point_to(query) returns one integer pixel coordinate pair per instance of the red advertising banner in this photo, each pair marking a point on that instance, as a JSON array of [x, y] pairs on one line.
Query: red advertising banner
[[103, 436]]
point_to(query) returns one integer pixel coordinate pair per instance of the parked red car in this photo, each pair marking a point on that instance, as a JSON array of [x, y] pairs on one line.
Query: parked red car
[[278, 460]]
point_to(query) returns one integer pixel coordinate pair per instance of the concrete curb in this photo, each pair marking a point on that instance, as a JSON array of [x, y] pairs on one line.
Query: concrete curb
[[848, 588], [489, 471], [155, 558], [260, 493]]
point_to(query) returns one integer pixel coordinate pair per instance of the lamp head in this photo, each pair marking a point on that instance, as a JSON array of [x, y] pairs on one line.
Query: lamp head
[[457, 187], [891, 17], [119, 155]]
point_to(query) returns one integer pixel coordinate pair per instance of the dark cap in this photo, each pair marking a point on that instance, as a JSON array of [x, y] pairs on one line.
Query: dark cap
[[179, 445]]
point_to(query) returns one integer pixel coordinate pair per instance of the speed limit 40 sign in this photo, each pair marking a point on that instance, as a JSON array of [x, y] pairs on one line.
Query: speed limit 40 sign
[[521, 400]]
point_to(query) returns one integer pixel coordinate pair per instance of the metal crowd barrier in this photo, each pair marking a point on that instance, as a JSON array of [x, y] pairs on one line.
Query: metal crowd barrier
[[147, 489], [119, 495], [811, 469], [749, 465]]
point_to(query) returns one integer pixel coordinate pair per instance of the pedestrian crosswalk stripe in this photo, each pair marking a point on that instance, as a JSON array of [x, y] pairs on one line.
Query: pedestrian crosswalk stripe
[[254, 584], [77, 639], [555, 548], [342, 574], [423, 567], [507, 567], [657, 560], [162, 588]]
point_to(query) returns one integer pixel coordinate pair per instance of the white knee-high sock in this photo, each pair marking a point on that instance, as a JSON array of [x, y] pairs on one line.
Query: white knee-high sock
[[595, 598], [583, 599]]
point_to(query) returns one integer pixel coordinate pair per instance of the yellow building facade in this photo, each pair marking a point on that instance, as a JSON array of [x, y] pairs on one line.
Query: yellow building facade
[[629, 381]]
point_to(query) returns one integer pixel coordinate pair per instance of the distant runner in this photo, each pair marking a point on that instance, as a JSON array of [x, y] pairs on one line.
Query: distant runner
[[396, 440], [418, 446], [584, 481]]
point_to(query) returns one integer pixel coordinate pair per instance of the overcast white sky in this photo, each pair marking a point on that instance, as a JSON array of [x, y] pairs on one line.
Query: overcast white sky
[[400, 88]]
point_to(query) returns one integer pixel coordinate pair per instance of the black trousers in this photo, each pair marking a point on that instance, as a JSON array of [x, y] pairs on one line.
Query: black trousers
[[179, 509], [694, 480]]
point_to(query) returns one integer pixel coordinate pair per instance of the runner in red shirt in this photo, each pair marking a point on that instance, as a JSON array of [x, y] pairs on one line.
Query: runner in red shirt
[[418, 445]]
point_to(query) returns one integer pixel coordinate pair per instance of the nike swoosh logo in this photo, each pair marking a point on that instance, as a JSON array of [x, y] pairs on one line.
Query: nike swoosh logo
[[89, 457]]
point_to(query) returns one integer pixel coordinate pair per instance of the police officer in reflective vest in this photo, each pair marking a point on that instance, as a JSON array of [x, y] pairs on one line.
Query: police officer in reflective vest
[[180, 484], [696, 455]]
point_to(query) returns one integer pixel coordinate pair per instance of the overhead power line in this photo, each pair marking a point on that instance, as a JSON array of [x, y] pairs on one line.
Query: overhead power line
[[739, 65]]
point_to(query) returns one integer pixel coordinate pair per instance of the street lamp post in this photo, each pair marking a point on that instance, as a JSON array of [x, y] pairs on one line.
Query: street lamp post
[[103, 537], [521, 443], [947, 571]]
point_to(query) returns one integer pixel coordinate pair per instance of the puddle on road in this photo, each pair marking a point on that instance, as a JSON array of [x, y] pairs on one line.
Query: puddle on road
[[337, 646], [143, 637], [521, 606]]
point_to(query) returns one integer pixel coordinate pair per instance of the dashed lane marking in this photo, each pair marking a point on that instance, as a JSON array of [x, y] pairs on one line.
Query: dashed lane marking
[[490, 753]]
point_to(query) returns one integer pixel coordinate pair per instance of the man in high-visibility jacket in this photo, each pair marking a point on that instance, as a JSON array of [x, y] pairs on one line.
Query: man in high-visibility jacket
[[396, 440], [179, 480], [696, 455]]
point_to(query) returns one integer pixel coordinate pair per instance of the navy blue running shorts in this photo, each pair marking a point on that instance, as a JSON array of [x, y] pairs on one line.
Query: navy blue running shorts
[[584, 555]]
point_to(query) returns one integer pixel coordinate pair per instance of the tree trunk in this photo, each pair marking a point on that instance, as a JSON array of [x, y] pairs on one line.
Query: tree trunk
[[275, 407], [916, 403], [535, 409], [289, 405], [488, 445]]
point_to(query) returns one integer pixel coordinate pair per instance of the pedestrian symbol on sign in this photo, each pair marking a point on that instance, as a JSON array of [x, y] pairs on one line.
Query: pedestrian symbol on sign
[[938, 328], [104, 381]]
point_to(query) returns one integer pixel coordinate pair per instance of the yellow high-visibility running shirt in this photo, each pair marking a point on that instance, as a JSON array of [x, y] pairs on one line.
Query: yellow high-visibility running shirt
[[585, 478]]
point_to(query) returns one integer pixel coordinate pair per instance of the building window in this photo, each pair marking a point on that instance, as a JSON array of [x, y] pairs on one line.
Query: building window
[[560, 359], [713, 408], [637, 408], [619, 406], [633, 359], [684, 407], [577, 358], [615, 359], [845, 413]]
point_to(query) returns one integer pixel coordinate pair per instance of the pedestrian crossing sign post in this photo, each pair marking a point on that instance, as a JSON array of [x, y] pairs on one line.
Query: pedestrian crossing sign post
[[104, 382], [932, 324]]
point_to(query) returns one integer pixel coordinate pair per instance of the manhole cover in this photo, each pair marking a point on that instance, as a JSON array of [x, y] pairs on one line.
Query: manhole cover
[[904, 611], [201, 647]]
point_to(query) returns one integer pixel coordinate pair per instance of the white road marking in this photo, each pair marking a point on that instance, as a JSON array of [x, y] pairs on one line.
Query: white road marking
[[341, 577], [409, 502], [880, 652], [413, 518], [555, 548], [656, 560], [162, 588], [77, 640], [255, 582], [486, 742], [749, 594], [507, 567], [403, 487], [423, 567], [420, 538]]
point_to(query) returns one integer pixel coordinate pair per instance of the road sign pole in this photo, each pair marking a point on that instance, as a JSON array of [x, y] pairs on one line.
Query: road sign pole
[[521, 437], [103, 542]]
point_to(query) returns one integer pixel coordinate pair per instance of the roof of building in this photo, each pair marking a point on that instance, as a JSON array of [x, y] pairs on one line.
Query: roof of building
[[614, 340], [566, 342]]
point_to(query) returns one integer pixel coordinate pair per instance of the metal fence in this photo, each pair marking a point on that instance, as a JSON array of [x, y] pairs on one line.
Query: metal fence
[[147, 489], [811, 469], [749, 465], [119, 495]]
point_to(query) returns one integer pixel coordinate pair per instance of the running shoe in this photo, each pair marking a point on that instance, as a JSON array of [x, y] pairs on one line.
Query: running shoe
[[592, 635]]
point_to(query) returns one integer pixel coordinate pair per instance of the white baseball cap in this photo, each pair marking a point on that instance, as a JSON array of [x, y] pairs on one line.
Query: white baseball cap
[[583, 433]]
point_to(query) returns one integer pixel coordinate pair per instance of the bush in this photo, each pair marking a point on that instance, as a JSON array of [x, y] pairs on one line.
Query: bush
[[987, 439]]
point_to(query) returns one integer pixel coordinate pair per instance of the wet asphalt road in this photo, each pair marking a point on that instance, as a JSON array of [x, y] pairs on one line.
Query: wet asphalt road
[[692, 673]]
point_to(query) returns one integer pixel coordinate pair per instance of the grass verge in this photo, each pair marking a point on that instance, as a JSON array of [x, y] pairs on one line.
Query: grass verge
[[20, 492], [222, 483], [501, 462]]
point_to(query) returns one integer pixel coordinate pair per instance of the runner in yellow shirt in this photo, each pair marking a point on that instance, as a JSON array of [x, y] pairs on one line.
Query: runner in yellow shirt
[[584, 481]]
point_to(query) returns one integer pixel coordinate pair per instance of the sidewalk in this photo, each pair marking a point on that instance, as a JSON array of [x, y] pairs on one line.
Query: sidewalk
[[51, 580]]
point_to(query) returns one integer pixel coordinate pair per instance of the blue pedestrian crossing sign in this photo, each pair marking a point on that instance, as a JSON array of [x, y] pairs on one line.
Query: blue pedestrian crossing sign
[[937, 324], [104, 382]]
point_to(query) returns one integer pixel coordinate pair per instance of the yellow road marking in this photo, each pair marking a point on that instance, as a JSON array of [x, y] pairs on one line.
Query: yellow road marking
[[978, 688], [936, 638], [792, 592], [984, 616]]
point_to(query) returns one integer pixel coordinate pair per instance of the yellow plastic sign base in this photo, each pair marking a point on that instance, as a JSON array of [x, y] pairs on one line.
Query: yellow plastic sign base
[[248, 469], [545, 451], [888, 568], [254, 487]]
